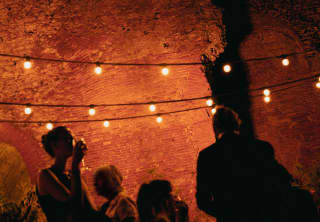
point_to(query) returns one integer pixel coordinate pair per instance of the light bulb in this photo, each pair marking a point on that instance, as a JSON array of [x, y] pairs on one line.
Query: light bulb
[[165, 71], [49, 126], [318, 85], [106, 123], [27, 64], [98, 70], [92, 111], [266, 92], [267, 99], [285, 62], [227, 68], [213, 111], [159, 119], [28, 110], [209, 102], [152, 108]]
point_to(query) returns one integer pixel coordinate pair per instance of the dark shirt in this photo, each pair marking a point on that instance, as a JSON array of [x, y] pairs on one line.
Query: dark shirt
[[234, 176], [53, 209]]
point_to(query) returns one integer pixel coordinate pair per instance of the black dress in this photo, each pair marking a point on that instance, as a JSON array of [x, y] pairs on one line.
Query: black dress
[[56, 210]]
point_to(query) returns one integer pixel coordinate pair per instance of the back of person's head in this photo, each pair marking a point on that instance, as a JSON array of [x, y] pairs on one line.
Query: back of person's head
[[154, 198], [225, 120], [52, 137], [110, 174]]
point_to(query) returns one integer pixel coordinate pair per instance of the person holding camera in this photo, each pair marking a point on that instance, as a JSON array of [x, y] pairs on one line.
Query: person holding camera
[[62, 194]]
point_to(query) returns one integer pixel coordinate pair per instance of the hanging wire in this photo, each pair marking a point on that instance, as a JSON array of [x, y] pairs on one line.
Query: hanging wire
[[147, 64], [106, 119]]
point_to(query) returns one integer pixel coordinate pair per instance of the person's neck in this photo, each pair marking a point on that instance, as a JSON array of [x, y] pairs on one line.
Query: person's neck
[[60, 164], [220, 135]]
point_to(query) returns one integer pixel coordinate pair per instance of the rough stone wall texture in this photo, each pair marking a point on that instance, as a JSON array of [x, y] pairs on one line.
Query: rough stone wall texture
[[151, 32], [290, 122], [112, 31]]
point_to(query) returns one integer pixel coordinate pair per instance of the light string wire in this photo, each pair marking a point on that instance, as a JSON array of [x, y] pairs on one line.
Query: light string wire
[[108, 119], [152, 102], [314, 75], [309, 78], [147, 64]]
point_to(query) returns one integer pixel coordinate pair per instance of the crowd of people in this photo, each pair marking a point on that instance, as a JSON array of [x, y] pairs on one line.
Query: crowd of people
[[238, 179]]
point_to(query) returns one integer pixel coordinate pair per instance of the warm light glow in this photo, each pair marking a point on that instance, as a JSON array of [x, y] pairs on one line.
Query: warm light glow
[[152, 108], [92, 111], [27, 64], [159, 119], [98, 70], [267, 99], [165, 71], [318, 85], [106, 123], [227, 68], [213, 111], [49, 126], [209, 102], [285, 62], [266, 92], [27, 110]]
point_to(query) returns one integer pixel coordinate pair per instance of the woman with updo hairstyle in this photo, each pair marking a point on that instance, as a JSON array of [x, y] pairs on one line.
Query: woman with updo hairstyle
[[62, 194], [156, 203]]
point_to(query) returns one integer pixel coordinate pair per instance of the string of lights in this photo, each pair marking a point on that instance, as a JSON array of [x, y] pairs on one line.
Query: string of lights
[[98, 63], [152, 105], [313, 76], [210, 104]]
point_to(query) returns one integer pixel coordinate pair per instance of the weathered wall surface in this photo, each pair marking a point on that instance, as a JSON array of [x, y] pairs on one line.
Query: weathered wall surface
[[290, 122], [114, 31], [151, 32]]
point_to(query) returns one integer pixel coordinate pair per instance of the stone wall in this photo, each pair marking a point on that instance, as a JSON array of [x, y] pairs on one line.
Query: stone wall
[[158, 32]]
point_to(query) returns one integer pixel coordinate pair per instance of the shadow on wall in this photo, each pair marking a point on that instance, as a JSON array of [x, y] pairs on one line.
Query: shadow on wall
[[230, 89]]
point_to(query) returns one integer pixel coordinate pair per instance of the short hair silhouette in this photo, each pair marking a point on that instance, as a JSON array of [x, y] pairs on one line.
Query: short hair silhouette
[[112, 173], [153, 197], [225, 120]]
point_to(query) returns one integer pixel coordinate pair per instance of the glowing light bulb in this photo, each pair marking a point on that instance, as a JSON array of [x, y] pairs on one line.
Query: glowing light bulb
[[92, 111], [209, 102], [152, 108], [27, 64], [266, 92], [318, 85], [285, 62], [165, 71], [28, 110], [267, 99], [159, 119], [98, 70], [213, 111], [49, 126], [227, 68], [106, 123]]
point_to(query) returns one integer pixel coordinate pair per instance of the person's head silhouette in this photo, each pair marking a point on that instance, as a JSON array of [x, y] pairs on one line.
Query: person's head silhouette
[[225, 120], [107, 181]]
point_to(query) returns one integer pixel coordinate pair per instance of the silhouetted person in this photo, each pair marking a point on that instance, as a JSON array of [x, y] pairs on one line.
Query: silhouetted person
[[63, 195], [157, 204], [119, 207], [238, 178]]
